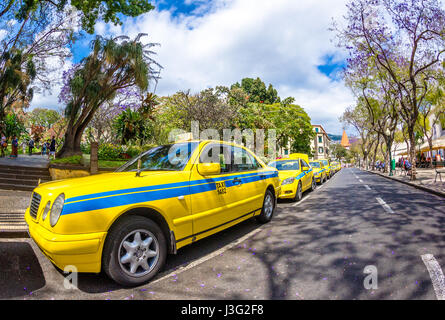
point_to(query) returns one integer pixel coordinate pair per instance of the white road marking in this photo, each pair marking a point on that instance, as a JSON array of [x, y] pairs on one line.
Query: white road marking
[[297, 203], [360, 180], [367, 187], [436, 275], [384, 205]]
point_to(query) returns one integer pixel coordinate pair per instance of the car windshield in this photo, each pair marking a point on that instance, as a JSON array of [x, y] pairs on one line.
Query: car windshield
[[172, 157], [286, 165], [325, 162], [315, 164]]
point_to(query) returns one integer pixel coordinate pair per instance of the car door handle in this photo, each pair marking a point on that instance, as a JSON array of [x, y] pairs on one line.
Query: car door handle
[[237, 181]]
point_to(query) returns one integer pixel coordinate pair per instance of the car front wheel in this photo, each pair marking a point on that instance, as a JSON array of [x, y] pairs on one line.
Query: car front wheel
[[268, 208], [135, 251]]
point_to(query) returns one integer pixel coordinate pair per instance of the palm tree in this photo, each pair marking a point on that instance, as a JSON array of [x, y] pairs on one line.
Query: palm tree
[[113, 64]]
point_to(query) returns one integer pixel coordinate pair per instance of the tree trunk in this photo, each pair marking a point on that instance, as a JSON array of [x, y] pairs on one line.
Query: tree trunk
[[375, 152], [412, 153], [71, 145]]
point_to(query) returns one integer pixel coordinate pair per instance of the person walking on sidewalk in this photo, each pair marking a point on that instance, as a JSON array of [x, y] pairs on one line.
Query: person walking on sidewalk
[[52, 148], [24, 144], [14, 147], [31, 146], [3, 145]]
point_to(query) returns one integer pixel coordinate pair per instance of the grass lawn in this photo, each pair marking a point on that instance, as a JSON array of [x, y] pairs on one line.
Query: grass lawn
[[104, 163], [111, 164]]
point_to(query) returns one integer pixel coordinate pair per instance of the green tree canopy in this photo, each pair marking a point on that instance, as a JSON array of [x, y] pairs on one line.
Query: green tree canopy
[[257, 92]]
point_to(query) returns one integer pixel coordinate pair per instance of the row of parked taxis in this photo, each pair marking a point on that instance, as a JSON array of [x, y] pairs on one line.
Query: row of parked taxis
[[298, 174], [125, 223]]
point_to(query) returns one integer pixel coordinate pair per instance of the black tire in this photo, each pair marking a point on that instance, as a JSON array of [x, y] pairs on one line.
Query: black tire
[[114, 245], [265, 215], [314, 184], [299, 193]]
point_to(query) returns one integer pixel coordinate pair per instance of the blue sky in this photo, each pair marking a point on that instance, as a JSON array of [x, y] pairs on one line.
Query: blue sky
[[208, 43]]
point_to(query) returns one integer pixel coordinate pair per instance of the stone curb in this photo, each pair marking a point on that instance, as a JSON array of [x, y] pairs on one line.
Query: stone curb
[[437, 193]]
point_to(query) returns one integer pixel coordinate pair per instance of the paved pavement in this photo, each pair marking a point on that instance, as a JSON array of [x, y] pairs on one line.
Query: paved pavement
[[424, 178], [318, 248], [25, 160]]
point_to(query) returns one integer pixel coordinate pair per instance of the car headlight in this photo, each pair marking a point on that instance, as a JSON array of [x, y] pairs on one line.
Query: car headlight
[[56, 210], [288, 180], [46, 210]]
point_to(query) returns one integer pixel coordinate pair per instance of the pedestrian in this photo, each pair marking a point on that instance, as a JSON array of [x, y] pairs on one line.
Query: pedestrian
[[3, 145], [52, 148], [14, 146], [24, 144], [43, 148], [30, 146], [48, 143]]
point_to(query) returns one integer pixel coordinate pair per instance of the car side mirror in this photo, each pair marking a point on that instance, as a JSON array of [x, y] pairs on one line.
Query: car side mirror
[[209, 169], [305, 168]]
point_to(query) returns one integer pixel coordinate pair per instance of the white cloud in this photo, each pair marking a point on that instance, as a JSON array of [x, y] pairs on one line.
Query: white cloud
[[281, 41]]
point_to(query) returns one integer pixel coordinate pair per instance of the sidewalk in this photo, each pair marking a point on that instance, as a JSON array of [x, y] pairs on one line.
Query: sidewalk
[[24, 160], [424, 180], [13, 204]]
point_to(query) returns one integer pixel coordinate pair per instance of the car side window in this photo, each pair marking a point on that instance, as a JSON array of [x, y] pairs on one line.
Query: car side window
[[242, 160], [304, 164], [214, 153]]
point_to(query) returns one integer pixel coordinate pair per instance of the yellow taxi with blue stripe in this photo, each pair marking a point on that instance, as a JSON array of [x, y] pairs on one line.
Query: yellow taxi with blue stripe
[[326, 163], [319, 172], [296, 176], [336, 166], [126, 222]]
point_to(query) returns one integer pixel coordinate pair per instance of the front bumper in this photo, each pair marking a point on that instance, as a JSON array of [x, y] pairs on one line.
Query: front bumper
[[83, 251], [288, 191]]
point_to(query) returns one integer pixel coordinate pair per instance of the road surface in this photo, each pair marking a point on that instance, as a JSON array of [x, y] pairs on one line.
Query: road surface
[[323, 247]]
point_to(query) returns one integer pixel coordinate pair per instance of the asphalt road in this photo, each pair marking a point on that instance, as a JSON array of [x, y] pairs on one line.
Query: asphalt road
[[317, 248]]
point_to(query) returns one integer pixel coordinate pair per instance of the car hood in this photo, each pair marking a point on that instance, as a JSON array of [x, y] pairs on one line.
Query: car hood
[[288, 173]]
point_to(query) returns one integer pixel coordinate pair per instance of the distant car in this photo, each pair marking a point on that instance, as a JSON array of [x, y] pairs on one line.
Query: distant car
[[319, 172], [327, 166], [126, 222], [336, 166], [296, 177]]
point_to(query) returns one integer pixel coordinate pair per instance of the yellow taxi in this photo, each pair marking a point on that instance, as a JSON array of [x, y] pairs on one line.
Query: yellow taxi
[[319, 172], [336, 166], [296, 176], [326, 164], [126, 222]]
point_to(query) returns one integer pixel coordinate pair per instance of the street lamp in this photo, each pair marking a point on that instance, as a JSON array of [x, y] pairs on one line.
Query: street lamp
[[388, 134]]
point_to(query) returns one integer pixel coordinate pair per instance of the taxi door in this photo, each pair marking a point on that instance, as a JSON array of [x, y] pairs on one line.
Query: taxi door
[[223, 196], [307, 178]]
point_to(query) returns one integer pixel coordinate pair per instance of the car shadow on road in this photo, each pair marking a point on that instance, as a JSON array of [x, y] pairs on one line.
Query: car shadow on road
[[100, 283], [20, 271]]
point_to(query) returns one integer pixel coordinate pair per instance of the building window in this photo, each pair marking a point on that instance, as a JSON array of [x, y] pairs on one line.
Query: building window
[[320, 139], [320, 149], [286, 152], [316, 129]]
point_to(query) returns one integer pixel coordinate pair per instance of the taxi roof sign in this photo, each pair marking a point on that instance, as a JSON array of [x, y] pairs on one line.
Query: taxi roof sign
[[303, 156]]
